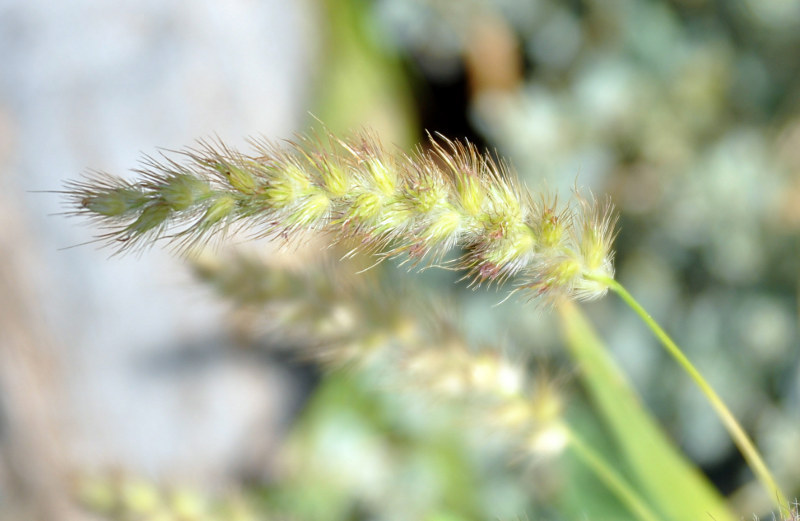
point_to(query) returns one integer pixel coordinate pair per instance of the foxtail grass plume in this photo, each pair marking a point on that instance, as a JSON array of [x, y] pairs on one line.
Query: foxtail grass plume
[[121, 497], [409, 345], [419, 205]]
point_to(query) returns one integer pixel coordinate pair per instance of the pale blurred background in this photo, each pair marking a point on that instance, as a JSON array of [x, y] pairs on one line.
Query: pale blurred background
[[119, 363], [687, 112]]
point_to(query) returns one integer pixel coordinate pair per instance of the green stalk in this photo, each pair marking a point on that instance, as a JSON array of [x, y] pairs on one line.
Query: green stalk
[[606, 473], [740, 437]]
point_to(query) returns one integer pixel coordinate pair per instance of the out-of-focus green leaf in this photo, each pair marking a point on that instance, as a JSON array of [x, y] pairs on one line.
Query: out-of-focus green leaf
[[675, 486], [584, 496], [361, 84]]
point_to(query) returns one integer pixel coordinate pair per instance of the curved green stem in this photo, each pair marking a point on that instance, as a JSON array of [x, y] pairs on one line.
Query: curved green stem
[[740, 437], [610, 478]]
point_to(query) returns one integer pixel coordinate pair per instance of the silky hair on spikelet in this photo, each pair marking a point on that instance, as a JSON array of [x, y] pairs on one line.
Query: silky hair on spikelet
[[421, 205]]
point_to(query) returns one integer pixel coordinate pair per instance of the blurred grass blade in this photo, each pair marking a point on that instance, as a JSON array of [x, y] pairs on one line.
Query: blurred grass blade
[[674, 485], [616, 484]]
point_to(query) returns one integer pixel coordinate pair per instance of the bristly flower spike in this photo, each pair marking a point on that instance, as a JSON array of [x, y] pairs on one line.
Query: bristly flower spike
[[420, 205]]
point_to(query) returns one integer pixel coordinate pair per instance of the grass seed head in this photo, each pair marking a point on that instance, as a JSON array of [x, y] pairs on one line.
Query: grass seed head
[[422, 205]]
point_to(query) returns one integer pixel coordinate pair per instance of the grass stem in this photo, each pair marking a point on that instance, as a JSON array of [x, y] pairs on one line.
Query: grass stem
[[740, 437]]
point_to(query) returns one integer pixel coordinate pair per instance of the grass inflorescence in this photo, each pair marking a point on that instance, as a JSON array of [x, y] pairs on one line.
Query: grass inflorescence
[[413, 344], [420, 205]]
